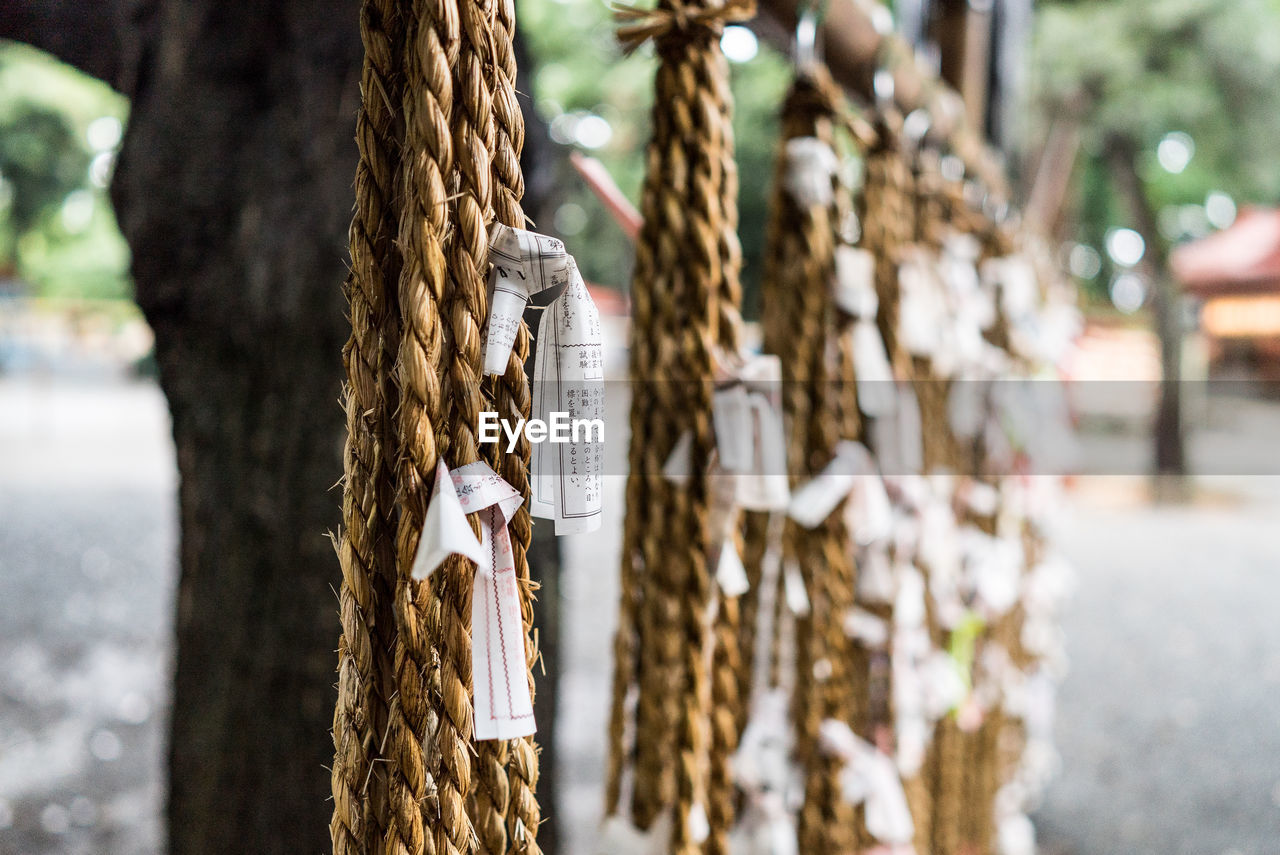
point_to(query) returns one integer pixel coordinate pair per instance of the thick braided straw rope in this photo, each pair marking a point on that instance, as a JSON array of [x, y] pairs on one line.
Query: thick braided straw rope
[[507, 811], [450, 60], [467, 814], [888, 229], [431, 44], [684, 295], [940, 450], [799, 267], [367, 560]]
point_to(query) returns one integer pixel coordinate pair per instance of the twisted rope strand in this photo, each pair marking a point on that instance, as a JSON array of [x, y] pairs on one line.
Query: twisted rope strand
[[802, 252], [644, 466], [512, 792], [432, 39], [685, 267], [360, 807], [659, 259], [484, 825]]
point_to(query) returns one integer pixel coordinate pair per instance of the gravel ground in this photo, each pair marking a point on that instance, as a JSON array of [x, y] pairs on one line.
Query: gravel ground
[[1167, 722], [87, 535]]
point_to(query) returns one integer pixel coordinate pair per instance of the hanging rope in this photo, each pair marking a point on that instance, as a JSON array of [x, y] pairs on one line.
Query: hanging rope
[[366, 556], [684, 306], [727, 660], [462, 135], [431, 45], [799, 270], [510, 768], [889, 224]]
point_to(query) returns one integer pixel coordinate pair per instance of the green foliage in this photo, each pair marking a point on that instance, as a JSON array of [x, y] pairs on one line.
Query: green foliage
[[56, 224], [1142, 69], [581, 73]]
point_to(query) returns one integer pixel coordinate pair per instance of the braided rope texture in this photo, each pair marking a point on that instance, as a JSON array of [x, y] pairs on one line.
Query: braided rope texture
[[472, 807], [685, 295], [431, 48], [403, 776], [366, 554], [508, 814], [799, 267]]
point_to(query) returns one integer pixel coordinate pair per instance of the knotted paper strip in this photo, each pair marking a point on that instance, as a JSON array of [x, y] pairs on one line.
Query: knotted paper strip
[[751, 444], [811, 166], [568, 372], [568, 377], [445, 531], [764, 772], [871, 777], [814, 502], [503, 702], [524, 263]]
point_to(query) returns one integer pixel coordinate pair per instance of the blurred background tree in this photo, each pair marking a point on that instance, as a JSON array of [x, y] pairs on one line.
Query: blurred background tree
[[1176, 110], [59, 132]]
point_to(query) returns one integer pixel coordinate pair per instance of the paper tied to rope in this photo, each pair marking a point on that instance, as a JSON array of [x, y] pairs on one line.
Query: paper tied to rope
[[851, 474], [922, 307], [676, 19], [870, 777], [764, 772], [1017, 284], [964, 351], [994, 567], [746, 412], [898, 435], [524, 263], [503, 702], [568, 371], [811, 170], [871, 630], [854, 293], [723, 524]]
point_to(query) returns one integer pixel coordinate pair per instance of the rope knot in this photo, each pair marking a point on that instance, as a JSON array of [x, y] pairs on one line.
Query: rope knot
[[681, 20]]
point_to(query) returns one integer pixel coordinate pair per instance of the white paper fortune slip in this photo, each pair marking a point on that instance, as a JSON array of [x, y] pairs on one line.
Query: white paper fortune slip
[[503, 704], [747, 415], [853, 287], [870, 776], [524, 263], [921, 307], [814, 502], [731, 575], [811, 165], [568, 377], [854, 292], [568, 373]]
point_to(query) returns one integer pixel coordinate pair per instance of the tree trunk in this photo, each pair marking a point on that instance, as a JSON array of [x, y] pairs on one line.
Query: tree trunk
[[1170, 455], [234, 192]]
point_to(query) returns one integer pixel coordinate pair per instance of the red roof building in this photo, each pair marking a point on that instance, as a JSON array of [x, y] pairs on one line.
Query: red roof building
[[1236, 273], [1243, 258]]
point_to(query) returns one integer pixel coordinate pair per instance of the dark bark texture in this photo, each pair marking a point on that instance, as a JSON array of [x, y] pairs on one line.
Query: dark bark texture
[[234, 192], [1167, 431]]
